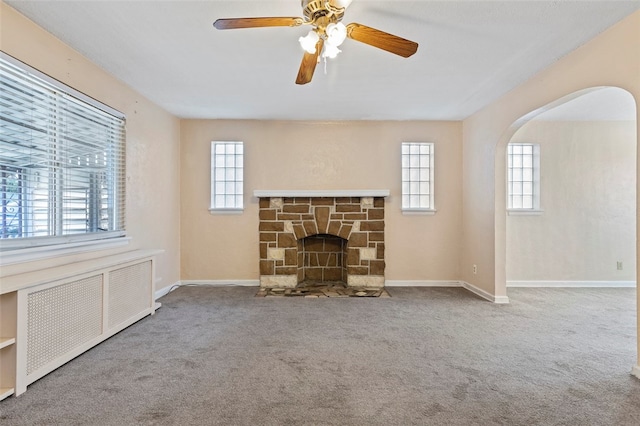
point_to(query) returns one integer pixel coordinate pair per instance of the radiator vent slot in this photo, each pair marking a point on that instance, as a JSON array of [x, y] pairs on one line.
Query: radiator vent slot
[[61, 319], [129, 292]]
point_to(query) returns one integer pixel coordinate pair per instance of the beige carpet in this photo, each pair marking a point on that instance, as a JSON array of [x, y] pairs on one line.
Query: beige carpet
[[425, 356]]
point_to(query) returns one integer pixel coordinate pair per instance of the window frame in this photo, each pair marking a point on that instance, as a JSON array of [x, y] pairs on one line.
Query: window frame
[[238, 178], [29, 248], [406, 179], [535, 208]]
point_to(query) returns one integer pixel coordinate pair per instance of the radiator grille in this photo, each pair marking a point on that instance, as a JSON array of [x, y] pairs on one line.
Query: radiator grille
[[62, 318], [129, 292]]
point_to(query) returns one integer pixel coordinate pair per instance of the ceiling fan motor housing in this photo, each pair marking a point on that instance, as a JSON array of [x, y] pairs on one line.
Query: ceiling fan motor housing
[[322, 10]]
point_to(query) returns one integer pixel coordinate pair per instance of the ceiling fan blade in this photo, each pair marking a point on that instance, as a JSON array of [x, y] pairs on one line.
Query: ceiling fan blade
[[381, 40], [233, 23], [308, 64]]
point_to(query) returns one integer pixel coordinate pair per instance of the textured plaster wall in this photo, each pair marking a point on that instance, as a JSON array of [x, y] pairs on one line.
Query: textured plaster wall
[[319, 155], [610, 59], [153, 145], [588, 194]]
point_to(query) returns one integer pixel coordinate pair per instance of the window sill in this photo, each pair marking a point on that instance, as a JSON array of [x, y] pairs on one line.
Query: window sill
[[419, 212], [523, 212], [226, 211], [31, 254]]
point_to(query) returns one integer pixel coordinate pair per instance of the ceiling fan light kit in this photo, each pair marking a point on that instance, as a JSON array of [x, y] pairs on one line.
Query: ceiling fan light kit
[[327, 34]]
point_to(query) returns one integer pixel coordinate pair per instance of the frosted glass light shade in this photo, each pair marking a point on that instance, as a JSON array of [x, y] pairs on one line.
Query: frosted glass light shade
[[336, 33], [330, 51], [309, 41], [341, 3]]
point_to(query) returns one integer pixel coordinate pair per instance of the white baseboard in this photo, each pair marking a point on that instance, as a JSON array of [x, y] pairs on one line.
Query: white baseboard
[[212, 283], [484, 294], [163, 291], [388, 283], [222, 283], [434, 283], [421, 283], [636, 371], [575, 284]]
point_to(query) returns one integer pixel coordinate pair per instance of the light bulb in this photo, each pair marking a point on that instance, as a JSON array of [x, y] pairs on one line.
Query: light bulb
[[309, 42]]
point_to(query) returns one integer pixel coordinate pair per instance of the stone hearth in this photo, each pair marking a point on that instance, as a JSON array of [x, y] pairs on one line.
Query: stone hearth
[[314, 236], [312, 289]]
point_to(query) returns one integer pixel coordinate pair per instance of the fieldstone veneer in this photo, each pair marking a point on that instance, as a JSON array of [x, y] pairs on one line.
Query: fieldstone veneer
[[286, 221]]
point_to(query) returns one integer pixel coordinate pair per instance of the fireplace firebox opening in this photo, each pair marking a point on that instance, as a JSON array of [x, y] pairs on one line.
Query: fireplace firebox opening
[[322, 258]]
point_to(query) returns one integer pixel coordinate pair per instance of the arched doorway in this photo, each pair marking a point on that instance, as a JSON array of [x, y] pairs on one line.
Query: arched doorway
[[571, 191], [503, 240]]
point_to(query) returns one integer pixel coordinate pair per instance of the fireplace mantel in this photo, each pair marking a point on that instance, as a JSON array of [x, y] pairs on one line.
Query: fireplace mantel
[[268, 193]]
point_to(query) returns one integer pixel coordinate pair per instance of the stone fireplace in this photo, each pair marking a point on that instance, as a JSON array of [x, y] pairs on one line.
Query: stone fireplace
[[322, 236]]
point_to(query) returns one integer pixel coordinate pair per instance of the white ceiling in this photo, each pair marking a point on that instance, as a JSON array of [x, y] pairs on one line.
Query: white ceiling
[[610, 103], [471, 53]]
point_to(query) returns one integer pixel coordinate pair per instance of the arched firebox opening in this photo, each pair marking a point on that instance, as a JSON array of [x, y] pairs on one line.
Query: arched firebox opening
[[322, 258]]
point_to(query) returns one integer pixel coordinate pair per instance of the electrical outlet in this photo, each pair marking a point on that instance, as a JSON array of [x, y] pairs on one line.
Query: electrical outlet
[[619, 265], [475, 269]]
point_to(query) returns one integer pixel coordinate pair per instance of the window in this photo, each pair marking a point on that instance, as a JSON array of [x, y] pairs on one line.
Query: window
[[417, 176], [523, 177], [227, 168], [62, 163]]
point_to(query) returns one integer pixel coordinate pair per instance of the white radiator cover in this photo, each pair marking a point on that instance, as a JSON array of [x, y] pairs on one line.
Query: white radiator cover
[[129, 289], [61, 319]]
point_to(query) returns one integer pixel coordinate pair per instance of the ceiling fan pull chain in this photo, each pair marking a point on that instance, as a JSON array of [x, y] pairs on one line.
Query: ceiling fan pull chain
[[325, 65]]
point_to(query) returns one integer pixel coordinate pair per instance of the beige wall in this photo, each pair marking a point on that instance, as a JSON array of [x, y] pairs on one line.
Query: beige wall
[[588, 194], [153, 144], [319, 155], [610, 59], [469, 228]]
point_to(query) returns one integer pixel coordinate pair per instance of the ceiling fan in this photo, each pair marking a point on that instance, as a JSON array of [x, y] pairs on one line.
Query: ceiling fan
[[327, 33]]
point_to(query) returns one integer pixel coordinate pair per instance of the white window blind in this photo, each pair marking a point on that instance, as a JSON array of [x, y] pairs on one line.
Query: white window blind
[[227, 171], [417, 176], [62, 162]]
